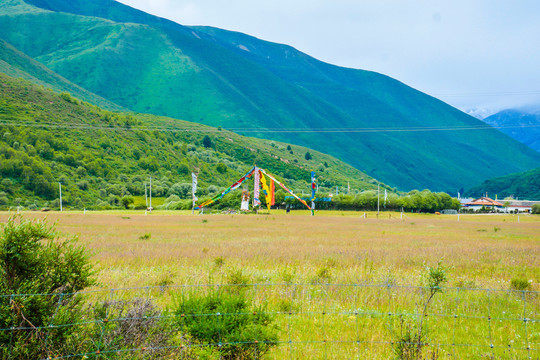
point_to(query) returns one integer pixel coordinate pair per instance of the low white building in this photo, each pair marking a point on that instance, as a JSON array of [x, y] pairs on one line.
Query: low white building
[[519, 205], [508, 205]]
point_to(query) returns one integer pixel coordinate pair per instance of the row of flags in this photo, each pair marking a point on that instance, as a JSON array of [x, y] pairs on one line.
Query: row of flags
[[268, 189]]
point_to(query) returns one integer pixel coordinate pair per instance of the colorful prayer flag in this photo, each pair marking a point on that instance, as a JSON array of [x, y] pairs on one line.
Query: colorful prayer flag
[[266, 190], [286, 189], [236, 185], [257, 188], [194, 186], [272, 193]]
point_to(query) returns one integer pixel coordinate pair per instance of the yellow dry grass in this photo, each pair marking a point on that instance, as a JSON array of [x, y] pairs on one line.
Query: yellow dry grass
[[481, 250]]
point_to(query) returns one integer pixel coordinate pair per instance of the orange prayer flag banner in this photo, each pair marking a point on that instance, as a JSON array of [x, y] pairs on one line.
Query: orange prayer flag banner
[[272, 193]]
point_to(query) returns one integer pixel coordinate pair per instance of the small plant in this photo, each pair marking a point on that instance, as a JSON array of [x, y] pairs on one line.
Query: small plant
[[219, 261], [411, 339], [146, 236], [237, 277], [287, 276], [285, 305], [520, 284], [495, 229], [204, 221], [165, 280], [323, 274]]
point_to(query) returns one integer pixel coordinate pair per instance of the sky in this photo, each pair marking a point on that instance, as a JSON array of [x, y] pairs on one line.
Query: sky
[[479, 56]]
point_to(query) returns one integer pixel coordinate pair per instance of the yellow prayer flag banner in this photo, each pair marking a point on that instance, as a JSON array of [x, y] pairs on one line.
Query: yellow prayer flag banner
[[266, 191]]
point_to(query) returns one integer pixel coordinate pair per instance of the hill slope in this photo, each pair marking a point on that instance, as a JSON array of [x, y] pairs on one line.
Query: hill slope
[[101, 156], [524, 185], [17, 64], [153, 65], [520, 125]]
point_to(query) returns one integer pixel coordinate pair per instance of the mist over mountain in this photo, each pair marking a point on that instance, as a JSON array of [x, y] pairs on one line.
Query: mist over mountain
[[220, 78], [521, 124]]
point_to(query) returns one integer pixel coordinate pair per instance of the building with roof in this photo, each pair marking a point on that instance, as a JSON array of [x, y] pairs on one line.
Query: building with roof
[[507, 205], [519, 205], [484, 203]]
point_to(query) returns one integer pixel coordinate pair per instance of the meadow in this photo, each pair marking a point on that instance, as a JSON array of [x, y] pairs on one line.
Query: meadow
[[339, 284]]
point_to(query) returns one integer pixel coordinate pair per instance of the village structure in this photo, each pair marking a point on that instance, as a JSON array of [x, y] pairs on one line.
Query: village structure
[[486, 204]]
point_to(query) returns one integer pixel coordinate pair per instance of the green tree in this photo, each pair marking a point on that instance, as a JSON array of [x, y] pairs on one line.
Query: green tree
[[207, 142], [308, 156], [48, 270], [221, 168], [127, 200]]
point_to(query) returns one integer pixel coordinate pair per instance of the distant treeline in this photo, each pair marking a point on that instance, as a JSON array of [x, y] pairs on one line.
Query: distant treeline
[[417, 201]]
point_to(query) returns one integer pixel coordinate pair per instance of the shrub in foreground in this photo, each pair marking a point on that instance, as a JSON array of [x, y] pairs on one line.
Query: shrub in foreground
[[225, 320], [35, 260]]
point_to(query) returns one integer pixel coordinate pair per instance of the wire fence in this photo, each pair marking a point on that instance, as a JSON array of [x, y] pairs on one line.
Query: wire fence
[[276, 321]]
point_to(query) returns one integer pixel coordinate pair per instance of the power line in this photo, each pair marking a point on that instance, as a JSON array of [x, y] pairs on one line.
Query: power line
[[273, 130]]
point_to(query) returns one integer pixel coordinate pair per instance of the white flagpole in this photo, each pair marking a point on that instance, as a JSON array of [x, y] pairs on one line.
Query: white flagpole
[[378, 199], [60, 186], [193, 191], [150, 194], [145, 196]]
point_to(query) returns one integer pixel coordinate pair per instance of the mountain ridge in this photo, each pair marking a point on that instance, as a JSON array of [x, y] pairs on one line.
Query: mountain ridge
[[191, 76], [17, 64], [520, 124]]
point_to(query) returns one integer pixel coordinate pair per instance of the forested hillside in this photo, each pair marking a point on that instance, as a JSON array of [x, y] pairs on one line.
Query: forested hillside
[[377, 124], [101, 157], [524, 185]]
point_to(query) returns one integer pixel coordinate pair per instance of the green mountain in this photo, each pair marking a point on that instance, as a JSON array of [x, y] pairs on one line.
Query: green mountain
[[267, 90], [522, 125], [17, 64], [525, 185], [101, 156]]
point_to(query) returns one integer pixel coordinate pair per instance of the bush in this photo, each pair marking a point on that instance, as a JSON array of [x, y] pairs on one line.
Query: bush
[[520, 284], [35, 260], [141, 326], [221, 168], [228, 319], [536, 209]]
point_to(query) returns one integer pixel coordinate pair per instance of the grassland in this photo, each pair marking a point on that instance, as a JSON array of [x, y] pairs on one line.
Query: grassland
[[337, 280], [481, 251]]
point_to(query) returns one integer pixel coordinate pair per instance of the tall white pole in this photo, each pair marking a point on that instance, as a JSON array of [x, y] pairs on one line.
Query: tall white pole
[[60, 186], [378, 198], [150, 193], [145, 196]]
